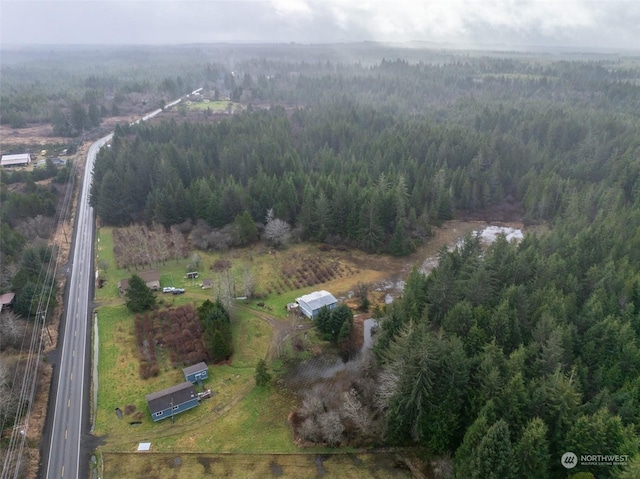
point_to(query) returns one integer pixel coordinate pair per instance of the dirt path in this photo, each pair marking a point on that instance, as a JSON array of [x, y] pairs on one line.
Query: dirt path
[[281, 330]]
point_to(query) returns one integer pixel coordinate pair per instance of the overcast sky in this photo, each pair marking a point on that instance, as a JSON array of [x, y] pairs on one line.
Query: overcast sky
[[580, 24]]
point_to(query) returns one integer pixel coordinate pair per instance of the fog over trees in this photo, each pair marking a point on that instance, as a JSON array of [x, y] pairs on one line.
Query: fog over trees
[[503, 357], [500, 357]]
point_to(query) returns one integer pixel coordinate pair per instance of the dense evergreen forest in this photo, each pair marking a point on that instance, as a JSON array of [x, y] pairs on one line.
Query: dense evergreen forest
[[75, 89], [373, 171], [504, 358]]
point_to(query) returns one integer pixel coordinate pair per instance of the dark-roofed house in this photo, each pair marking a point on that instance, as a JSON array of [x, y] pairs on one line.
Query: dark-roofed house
[[196, 373], [151, 279], [172, 401], [310, 304], [6, 299]]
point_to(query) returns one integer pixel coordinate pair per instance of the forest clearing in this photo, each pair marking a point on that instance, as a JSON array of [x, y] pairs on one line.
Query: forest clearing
[[358, 175], [237, 410]]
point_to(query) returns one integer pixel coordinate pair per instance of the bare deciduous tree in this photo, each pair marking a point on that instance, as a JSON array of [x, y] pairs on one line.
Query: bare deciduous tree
[[310, 430], [277, 231], [248, 281], [195, 260], [159, 242], [185, 226], [12, 329], [331, 427], [312, 405], [4, 376], [388, 381], [199, 235], [177, 243], [220, 239], [37, 227], [8, 405], [225, 288], [357, 412]]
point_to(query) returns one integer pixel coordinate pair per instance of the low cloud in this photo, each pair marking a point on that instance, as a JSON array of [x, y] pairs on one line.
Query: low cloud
[[576, 23]]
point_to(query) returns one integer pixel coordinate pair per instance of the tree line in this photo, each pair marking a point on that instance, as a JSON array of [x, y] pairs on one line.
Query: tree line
[[506, 358], [348, 173], [27, 217]]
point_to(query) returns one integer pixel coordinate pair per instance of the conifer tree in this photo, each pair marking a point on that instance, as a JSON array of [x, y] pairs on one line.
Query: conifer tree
[[262, 375], [139, 296]]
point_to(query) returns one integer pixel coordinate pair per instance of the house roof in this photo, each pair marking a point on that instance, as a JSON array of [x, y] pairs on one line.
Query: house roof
[[147, 276], [317, 299], [6, 298], [194, 369], [178, 394], [18, 159]]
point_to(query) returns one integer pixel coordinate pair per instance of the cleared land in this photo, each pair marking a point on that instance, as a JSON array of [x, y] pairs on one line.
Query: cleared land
[[242, 431]]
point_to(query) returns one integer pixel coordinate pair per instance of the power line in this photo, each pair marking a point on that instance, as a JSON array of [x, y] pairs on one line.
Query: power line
[[15, 449]]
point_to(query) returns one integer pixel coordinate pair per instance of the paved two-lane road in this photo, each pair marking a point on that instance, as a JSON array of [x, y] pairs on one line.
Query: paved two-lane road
[[69, 412]]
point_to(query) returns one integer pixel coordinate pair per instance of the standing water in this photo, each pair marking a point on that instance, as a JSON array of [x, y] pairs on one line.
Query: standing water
[[327, 367]]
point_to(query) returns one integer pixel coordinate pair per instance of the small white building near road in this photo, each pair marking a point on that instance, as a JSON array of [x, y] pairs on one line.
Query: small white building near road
[[310, 304], [21, 159]]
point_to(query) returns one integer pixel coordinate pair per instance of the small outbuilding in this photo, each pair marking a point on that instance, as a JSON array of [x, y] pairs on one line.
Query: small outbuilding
[[21, 159], [311, 304], [172, 401], [195, 373], [6, 299], [150, 278]]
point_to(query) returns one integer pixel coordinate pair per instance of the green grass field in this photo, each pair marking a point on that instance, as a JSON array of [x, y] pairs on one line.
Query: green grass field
[[239, 419], [120, 384], [216, 106]]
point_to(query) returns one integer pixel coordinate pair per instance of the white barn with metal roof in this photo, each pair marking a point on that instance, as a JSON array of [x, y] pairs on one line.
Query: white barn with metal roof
[[310, 304], [21, 159]]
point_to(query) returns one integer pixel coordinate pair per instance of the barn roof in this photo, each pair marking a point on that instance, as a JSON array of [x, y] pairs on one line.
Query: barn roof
[[317, 299], [18, 159], [178, 394]]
